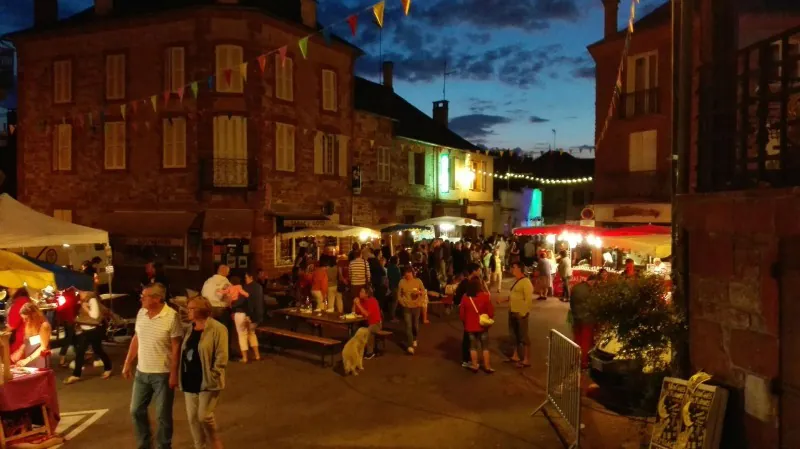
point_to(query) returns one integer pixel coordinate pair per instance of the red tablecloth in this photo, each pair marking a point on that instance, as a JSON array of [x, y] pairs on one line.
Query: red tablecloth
[[31, 390]]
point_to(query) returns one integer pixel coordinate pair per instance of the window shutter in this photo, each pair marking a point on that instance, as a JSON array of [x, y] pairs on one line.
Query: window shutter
[[634, 151], [174, 77], [222, 60], [649, 150], [65, 147], [278, 77], [57, 149], [290, 147], [288, 80], [168, 140], [411, 168], [180, 142], [120, 144], [236, 60], [343, 161], [318, 153], [109, 145], [428, 167]]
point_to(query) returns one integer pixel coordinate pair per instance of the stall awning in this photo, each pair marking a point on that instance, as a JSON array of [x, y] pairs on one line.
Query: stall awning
[[228, 223], [386, 229], [147, 223], [455, 221], [16, 272], [557, 230], [340, 231], [23, 227]]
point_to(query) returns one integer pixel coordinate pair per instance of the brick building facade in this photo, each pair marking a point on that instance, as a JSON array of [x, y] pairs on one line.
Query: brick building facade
[[632, 168]]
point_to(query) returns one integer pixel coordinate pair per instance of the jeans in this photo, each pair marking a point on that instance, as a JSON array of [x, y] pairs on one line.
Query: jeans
[[200, 413], [373, 328], [565, 292], [152, 387], [93, 338], [411, 317], [245, 331], [335, 299]]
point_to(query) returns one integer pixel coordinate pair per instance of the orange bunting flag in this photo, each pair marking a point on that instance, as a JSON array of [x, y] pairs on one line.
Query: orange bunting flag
[[194, 88], [303, 44], [406, 6], [180, 93], [11, 129], [262, 62], [228, 73], [377, 10], [154, 101], [122, 111], [243, 70], [353, 22], [282, 53]]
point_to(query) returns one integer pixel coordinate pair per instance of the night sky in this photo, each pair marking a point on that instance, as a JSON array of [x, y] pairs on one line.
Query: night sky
[[517, 68]]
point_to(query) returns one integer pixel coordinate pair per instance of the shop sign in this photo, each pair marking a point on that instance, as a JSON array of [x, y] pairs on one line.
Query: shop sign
[[305, 223]]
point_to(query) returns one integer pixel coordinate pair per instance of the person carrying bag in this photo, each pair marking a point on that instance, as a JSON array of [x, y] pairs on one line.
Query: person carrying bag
[[477, 314]]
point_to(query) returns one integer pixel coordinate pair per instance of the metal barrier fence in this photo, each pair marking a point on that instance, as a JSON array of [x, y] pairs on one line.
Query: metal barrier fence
[[563, 383]]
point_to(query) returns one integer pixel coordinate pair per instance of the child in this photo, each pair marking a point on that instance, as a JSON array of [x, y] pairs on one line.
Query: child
[[368, 306]]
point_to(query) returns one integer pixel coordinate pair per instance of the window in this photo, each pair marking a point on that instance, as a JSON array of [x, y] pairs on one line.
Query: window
[[384, 164], [329, 150], [778, 55], [115, 77], [452, 173], [230, 151], [284, 251], [642, 72], [284, 147], [284, 78], [419, 169], [63, 215], [174, 141], [62, 148], [174, 71], [642, 150], [229, 57], [114, 145], [62, 81], [329, 85], [476, 178], [483, 176]]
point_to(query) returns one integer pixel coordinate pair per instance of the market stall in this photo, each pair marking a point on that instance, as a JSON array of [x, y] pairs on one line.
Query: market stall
[[334, 232], [406, 233], [449, 227]]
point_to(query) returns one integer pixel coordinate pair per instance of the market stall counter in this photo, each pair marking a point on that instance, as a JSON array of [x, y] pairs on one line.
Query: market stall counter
[[29, 408]]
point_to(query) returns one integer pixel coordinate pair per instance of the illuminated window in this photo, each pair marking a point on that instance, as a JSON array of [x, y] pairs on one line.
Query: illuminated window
[[444, 173], [229, 57], [536, 205]]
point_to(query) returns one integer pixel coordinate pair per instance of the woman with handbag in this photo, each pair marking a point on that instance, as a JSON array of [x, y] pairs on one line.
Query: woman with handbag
[[477, 314], [89, 330]]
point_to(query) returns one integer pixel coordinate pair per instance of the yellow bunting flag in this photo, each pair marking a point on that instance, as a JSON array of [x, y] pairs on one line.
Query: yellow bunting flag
[[154, 101], [194, 88], [303, 44], [122, 111], [11, 129], [262, 62], [406, 6], [243, 70], [377, 10]]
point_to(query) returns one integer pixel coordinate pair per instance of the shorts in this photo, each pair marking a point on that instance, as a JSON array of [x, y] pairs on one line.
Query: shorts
[[479, 341], [518, 328]]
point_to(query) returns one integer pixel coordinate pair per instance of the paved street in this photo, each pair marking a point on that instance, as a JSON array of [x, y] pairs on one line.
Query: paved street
[[424, 401]]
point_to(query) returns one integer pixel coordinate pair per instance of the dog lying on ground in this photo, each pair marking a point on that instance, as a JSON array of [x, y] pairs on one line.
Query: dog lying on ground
[[353, 352]]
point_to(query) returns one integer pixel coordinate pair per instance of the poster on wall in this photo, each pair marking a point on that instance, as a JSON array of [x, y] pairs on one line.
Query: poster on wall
[[357, 180]]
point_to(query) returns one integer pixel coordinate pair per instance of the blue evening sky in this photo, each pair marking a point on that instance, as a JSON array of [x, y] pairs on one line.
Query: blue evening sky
[[517, 68]]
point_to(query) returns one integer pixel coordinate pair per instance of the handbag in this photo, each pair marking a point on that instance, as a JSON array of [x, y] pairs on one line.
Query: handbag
[[484, 319]]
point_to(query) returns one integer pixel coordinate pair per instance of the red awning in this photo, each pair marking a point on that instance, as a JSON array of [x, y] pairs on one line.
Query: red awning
[[636, 231], [557, 230]]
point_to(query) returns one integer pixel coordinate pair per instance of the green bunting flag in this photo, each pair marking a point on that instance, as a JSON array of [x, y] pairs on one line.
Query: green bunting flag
[[303, 44]]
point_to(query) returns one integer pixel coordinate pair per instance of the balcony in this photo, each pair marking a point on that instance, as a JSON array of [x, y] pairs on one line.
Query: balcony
[[749, 123], [228, 174], [639, 103], [633, 187]]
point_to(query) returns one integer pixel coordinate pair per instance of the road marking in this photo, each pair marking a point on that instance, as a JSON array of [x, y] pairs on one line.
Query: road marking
[[73, 423]]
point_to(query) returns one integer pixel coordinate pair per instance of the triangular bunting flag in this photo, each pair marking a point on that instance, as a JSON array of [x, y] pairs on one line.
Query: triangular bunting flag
[[180, 93], [122, 111], [11, 129], [154, 101], [371, 143], [243, 70], [406, 6], [282, 53], [211, 82], [194, 88], [262, 62], [326, 33], [166, 98], [353, 22], [377, 10], [228, 73], [303, 44]]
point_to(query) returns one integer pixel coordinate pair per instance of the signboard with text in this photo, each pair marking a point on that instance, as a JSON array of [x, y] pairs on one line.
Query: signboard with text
[[690, 415]]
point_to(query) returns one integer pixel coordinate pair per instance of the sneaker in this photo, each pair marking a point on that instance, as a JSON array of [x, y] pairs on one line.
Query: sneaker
[[415, 343], [466, 364], [411, 351], [106, 374], [369, 356], [71, 380]]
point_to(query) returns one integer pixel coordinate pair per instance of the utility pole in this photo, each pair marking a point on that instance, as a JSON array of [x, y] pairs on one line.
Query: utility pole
[[554, 139]]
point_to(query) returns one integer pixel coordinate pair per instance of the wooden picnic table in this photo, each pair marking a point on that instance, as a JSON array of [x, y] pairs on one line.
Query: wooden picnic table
[[321, 318]]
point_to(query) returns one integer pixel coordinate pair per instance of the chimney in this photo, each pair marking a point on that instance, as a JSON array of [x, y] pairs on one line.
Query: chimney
[[308, 11], [611, 12], [45, 12], [103, 7], [388, 74], [440, 112]]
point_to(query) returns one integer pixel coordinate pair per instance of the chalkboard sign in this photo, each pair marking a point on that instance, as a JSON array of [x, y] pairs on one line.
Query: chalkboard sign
[[690, 414]]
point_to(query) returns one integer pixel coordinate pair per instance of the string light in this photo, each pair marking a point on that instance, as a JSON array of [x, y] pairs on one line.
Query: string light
[[528, 177]]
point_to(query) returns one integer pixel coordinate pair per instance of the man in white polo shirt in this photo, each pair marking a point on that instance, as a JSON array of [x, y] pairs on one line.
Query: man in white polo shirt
[[157, 345]]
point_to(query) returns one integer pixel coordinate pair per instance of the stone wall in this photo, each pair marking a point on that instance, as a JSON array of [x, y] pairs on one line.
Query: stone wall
[[739, 255]]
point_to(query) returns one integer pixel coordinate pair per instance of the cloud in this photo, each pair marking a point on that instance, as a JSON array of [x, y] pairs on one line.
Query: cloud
[[585, 72], [537, 119], [479, 38], [478, 106], [528, 15], [477, 126], [517, 112]]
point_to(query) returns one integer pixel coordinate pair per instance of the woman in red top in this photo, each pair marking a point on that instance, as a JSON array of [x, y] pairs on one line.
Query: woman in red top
[[368, 306], [475, 303], [14, 319]]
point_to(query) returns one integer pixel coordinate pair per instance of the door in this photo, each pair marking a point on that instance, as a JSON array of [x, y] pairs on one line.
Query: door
[[789, 343]]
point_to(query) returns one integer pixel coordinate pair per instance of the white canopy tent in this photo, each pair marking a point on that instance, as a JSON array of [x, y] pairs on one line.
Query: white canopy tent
[[23, 227], [453, 221], [338, 231]]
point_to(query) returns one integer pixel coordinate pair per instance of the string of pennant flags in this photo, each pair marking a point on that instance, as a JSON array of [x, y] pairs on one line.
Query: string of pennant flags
[[131, 108], [618, 84], [531, 177]]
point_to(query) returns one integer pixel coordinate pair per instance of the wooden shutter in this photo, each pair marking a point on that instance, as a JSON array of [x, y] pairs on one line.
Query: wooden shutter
[[635, 152], [290, 141], [412, 167], [236, 57], [649, 150], [174, 72], [318, 156], [62, 148], [429, 167], [115, 77], [221, 61], [115, 145], [343, 160], [62, 81], [329, 90], [284, 79]]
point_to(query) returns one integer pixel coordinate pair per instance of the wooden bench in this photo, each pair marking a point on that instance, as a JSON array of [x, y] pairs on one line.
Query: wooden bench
[[328, 345], [380, 337]]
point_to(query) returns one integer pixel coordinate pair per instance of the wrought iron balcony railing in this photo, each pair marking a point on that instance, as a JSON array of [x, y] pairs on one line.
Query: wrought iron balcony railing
[[225, 173], [638, 103]]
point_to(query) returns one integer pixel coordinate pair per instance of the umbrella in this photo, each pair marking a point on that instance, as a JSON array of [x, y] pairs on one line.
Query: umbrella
[[16, 272]]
